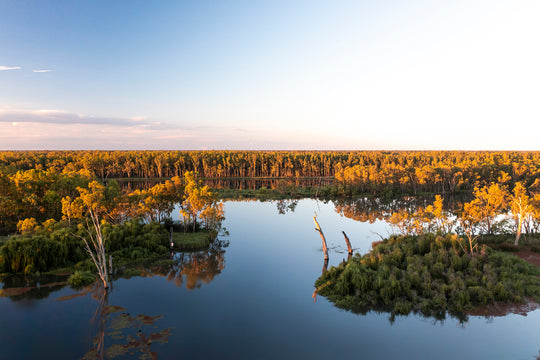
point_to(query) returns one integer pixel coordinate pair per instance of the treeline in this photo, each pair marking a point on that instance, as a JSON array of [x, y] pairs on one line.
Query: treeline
[[364, 171], [159, 164], [438, 172]]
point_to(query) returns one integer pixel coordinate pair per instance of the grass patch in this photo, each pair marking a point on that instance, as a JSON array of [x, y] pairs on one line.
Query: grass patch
[[192, 241]]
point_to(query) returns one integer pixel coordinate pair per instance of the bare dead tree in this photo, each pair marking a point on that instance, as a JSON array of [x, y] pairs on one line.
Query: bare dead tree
[[96, 247]]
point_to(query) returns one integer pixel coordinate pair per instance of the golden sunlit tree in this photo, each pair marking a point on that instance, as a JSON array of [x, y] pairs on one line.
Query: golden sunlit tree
[[27, 225], [199, 202], [469, 222], [489, 202], [520, 208]]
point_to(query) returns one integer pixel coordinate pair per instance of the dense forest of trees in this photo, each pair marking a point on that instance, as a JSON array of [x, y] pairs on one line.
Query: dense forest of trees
[[33, 183], [57, 215], [441, 172], [30, 197], [158, 164], [375, 172]]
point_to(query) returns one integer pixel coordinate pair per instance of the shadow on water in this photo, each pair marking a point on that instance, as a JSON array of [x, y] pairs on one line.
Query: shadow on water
[[25, 287]]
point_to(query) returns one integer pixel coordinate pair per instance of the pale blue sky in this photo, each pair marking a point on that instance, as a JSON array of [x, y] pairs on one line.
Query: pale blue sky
[[270, 74]]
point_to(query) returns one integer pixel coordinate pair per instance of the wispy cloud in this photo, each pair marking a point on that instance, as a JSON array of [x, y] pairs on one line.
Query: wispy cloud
[[56, 129], [42, 71], [9, 68], [66, 118]]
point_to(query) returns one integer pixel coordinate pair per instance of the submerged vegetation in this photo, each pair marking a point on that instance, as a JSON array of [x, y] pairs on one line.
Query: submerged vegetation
[[430, 275]]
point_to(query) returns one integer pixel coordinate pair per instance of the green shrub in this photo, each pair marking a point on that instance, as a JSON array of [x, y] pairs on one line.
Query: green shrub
[[508, 247], [42, 251], [81, 278], [55, 247]]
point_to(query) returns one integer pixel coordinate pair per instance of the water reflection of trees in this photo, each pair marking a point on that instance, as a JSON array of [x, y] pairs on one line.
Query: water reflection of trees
[[373, 209], [284, 206], [197, 268], [21, 287], [118, 334], [235, 183], [257, 183], [190, 268]]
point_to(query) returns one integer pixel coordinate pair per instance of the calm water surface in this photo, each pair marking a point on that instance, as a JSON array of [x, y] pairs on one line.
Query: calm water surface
[[255, 304]]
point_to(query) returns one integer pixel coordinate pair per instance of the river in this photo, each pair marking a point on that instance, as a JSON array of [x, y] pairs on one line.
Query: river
[[250, 298]]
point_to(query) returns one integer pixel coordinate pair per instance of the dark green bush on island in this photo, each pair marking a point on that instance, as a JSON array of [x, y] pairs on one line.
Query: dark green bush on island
[[81, 278], [44, 250], [429, 275], [134, 234], [41, 251]]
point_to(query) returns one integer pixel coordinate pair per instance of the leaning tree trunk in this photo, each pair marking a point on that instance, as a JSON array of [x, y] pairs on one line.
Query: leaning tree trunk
[[97, 249], [318, 228]]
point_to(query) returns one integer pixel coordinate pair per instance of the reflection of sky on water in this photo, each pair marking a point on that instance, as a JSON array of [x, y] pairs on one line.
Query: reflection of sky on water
[[261, 306]]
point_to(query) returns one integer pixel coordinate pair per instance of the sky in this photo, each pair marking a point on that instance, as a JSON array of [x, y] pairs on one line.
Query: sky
[[270, 75]]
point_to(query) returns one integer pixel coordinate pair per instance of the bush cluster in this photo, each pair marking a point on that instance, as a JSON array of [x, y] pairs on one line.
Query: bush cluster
[[81, 278], [428, 274], [41, 251], [48, 249]]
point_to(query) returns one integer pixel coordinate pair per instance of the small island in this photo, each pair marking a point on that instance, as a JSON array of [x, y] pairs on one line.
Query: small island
[[440, 264], [430, 275], [102, 226]]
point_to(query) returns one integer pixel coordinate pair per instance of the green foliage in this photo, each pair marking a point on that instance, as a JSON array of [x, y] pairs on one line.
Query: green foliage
[[133, 234], [430, 275], [56, 247], [41, 251], [508, 247], [81, 278], [192, 241]]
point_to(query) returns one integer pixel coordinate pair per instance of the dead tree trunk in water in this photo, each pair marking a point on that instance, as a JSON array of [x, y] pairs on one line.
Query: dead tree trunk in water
[[349, 247], [318, 228], [325, 266]]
